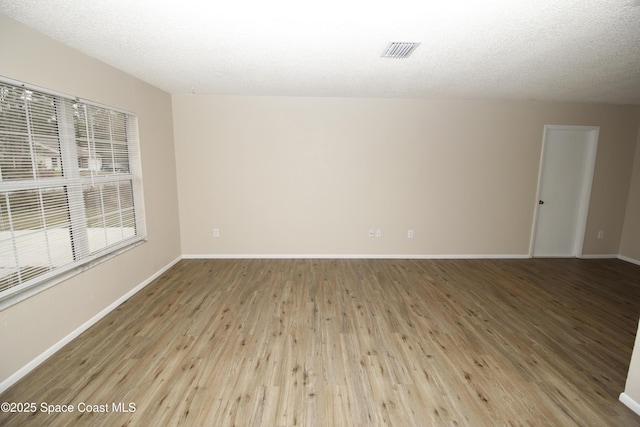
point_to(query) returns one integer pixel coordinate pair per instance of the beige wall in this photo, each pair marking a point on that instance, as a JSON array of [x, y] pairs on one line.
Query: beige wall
[[630, 244], [29, 328], [282, 175]]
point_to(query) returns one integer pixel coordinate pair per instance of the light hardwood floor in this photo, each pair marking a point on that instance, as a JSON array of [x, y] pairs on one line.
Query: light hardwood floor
[[355, 343]]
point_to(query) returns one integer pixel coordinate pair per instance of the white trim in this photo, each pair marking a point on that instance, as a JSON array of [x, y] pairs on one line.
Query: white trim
[[630, 403], [627, 259], [587, 178], [354, 256], [20, 293], [534, 224], [598, 256], [611, 256], [16, 376]]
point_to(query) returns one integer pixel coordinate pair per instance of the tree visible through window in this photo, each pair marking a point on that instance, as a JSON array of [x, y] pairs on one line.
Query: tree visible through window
[[70, 185]]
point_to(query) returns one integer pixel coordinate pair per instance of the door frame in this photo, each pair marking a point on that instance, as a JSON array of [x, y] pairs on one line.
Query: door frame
[[590, 165]]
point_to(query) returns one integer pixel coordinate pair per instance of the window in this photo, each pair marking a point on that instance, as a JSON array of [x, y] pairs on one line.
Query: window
[[70, 186]]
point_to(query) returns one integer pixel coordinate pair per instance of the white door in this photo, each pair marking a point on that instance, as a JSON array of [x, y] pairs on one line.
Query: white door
[[564, 189]]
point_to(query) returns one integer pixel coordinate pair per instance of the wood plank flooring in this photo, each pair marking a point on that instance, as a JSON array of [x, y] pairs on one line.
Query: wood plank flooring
[[354, 343]]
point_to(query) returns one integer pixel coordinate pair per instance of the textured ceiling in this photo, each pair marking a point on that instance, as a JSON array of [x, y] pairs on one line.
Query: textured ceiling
[[565, 50]]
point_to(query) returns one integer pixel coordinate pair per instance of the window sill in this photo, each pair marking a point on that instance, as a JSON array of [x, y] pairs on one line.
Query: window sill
[[20, 293]]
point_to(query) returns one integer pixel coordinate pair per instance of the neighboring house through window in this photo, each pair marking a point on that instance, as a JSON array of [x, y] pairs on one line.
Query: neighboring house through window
[[70, 187]]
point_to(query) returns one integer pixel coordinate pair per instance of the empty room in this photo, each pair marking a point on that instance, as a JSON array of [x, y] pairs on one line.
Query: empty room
[[335, 214]]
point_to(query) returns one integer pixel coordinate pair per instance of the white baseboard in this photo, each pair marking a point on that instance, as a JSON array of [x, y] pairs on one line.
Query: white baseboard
[[598, 256], [608, 256], [353, 256], [630, 403], [4, 385], [631, 260]]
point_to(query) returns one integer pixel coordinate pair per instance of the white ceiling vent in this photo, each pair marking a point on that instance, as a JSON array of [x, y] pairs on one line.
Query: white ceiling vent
[[400, 49]]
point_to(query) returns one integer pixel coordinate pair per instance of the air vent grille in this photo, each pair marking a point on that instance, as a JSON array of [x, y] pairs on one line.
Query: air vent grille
[[400, 49]]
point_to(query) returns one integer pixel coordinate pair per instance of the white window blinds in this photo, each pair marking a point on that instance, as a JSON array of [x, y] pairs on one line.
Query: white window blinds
[[70, 185]]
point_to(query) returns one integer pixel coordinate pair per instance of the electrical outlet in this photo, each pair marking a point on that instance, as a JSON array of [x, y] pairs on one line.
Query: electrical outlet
[[410, 234], [600, 234], [216, 232]]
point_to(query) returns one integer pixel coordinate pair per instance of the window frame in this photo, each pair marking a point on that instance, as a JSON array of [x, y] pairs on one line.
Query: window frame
[[73, 184]]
